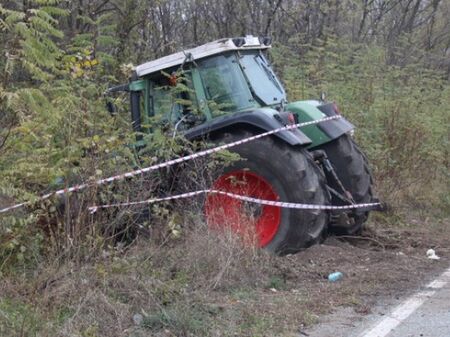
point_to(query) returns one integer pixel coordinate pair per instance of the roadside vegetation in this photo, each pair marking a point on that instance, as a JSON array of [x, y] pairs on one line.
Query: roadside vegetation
[[73, 273]]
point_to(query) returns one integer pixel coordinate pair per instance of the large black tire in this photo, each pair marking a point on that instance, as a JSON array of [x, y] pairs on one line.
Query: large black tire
[[353, 170], [293, 176]]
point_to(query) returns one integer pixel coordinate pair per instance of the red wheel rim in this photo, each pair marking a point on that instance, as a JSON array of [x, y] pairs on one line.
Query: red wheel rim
[[258, 222]]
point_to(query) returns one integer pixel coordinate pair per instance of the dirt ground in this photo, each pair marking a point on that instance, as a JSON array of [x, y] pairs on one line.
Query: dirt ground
[[203, 289], [381, 263]]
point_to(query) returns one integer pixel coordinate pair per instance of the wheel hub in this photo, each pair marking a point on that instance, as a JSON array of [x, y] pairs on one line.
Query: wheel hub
[[253, 222]]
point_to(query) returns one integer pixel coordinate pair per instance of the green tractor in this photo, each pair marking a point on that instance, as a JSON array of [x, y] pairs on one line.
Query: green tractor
[[318, 164]]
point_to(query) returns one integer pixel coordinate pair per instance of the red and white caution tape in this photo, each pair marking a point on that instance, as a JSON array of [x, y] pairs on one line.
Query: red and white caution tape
[[282, 204], [7, 209], [170, 162]]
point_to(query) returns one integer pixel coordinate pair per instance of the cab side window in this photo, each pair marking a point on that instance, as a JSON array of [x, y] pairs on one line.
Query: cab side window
[[170, 97], [162, 100]]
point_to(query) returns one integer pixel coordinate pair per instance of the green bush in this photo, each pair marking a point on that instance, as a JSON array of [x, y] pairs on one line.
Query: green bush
[[401, 112]]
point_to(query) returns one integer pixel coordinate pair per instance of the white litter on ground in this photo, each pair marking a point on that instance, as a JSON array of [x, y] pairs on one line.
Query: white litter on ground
[[431, 254]]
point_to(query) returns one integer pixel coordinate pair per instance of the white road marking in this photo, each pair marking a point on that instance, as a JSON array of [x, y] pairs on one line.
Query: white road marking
[[437, 284], [405, 309]]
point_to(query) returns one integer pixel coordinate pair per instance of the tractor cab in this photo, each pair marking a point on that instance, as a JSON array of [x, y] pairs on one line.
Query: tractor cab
[[197, 85]]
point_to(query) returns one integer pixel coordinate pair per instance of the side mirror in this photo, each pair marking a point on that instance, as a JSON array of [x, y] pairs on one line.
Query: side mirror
[[111, 107]]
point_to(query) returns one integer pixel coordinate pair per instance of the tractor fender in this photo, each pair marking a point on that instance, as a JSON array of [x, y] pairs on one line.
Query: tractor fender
[[264, 119], [324, 132], [337, 127]]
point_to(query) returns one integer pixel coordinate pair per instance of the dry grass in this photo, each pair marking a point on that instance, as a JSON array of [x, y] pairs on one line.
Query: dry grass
[[205, 284]]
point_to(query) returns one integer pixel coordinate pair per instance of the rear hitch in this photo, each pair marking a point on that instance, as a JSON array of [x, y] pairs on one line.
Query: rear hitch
[[337, 189]]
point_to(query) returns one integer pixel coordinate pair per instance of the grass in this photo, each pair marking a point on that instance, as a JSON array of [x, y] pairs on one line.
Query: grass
[[204, 284], [21, 319]]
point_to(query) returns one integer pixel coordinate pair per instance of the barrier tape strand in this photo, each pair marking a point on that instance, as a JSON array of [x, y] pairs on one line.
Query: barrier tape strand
[[265, 202]]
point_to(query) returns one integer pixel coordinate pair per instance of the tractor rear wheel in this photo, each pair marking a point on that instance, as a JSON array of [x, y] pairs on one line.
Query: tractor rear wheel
[[352, 168], [272, 170]]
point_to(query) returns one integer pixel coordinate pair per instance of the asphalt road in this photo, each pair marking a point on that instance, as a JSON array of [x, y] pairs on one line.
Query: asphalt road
[[431, 319], [425, 313]]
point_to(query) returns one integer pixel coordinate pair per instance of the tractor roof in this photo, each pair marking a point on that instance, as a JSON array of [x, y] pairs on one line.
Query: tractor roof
[[208, 49]]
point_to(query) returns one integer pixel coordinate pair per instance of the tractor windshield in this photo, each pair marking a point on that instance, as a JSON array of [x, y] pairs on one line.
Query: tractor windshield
[[220, 84], [262, 79], [237, 82], [225, 86]]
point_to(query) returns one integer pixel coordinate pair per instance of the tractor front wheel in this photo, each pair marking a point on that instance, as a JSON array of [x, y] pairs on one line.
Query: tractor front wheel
[[271, 170], [353, 170]]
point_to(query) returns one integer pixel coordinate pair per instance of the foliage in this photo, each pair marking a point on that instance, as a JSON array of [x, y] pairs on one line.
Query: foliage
[[400, 112], [56, 125]]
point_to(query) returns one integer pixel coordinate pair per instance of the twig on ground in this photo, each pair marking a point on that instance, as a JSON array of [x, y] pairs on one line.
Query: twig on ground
[[362, 238]]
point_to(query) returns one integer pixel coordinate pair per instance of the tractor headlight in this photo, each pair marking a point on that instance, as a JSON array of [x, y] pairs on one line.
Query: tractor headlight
[[239, 41], [265, 40]]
